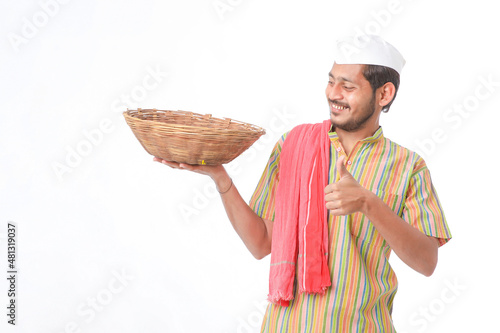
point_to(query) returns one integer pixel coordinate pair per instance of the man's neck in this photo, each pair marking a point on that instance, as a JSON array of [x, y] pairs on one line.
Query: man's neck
[[349, 139]]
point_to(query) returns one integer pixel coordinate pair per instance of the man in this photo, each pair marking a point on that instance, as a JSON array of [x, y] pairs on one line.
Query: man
[[334, 200]]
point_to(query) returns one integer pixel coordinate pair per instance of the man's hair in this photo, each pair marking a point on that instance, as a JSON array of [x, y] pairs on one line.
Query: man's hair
[[380, 75]]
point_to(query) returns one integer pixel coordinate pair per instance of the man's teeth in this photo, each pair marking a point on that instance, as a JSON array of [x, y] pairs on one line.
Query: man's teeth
[[338, 107]]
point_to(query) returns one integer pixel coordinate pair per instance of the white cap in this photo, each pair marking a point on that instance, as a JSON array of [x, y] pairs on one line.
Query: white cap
[[368, 50]]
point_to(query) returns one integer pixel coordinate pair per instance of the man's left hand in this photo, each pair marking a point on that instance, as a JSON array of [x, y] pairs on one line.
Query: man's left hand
[[346, 196]]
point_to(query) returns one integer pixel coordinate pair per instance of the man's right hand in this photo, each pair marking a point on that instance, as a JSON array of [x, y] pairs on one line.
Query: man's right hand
[[216, 172]]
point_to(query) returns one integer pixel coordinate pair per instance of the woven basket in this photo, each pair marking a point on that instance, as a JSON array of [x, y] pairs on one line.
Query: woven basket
[[188, 137]]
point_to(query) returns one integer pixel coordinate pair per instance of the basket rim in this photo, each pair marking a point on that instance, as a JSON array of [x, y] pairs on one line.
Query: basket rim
[[251, 128]]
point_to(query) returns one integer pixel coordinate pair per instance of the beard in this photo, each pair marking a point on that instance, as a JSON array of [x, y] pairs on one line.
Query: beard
[[356, 122]]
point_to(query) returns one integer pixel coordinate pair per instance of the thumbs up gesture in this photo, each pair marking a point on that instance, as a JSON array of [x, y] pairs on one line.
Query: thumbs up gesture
[[346, 195]]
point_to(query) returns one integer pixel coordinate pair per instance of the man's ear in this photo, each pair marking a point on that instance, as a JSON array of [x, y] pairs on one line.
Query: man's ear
[[386, 94]]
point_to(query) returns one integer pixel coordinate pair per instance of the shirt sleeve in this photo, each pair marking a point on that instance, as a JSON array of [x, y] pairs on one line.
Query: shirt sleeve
[[262, 200], [422, 208]]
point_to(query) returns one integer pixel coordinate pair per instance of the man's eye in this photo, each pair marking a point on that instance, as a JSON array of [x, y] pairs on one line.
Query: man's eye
[[348, 88]]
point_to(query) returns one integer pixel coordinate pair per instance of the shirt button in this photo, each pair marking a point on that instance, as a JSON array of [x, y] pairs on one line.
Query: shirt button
[[349, 162], [339, 149]]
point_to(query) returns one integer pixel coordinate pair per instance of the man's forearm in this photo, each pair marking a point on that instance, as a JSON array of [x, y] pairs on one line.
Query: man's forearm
[[253, 230], [416, 249]]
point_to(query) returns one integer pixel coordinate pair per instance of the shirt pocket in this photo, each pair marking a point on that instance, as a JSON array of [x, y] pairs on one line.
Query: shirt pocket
[[363, 229], [394, 201]]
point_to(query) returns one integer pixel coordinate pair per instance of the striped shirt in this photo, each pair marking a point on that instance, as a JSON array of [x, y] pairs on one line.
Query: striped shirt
[[363, 282]]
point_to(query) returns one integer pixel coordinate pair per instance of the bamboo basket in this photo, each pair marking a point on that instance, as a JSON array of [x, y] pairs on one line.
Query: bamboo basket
[[192, 138]]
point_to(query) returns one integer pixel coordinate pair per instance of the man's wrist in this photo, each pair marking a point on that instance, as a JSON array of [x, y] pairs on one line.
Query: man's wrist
[[222, 180], [369, 202]]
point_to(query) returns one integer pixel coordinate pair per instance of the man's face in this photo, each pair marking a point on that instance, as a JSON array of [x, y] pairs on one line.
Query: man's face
[[350, 98]]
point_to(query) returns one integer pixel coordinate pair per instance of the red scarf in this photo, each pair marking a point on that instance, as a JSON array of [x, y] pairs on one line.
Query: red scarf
[[300, 230]]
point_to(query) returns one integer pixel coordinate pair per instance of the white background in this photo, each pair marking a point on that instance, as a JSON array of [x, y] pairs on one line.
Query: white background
[[109, 241]]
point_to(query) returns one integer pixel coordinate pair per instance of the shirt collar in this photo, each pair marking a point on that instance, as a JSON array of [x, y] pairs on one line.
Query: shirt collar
[[378, 135]]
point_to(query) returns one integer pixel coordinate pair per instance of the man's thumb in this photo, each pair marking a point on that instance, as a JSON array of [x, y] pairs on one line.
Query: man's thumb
[[342, 171]]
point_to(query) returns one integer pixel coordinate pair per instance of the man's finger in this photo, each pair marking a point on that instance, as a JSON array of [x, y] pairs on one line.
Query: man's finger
[[171, 164], [188, 167], [330, 188], [342, 171], [337, 212]]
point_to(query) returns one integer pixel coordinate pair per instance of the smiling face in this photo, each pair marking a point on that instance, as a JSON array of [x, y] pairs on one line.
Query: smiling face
[[353, 104]]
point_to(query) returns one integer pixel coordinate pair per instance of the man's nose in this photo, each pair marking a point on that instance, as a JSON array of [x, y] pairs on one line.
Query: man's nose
[[334, 92]]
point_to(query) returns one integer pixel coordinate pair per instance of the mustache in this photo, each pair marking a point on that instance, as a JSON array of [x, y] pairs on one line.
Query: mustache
[[338, 103]]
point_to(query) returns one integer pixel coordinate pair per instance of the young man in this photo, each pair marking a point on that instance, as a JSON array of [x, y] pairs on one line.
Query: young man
[[334, 200]]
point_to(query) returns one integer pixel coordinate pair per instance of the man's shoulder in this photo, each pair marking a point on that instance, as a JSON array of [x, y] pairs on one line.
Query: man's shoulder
[[402, 152], [318, 128], [297, 128]]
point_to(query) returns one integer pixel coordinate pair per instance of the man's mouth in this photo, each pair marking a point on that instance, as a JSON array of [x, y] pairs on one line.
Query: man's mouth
[[338, 107]]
